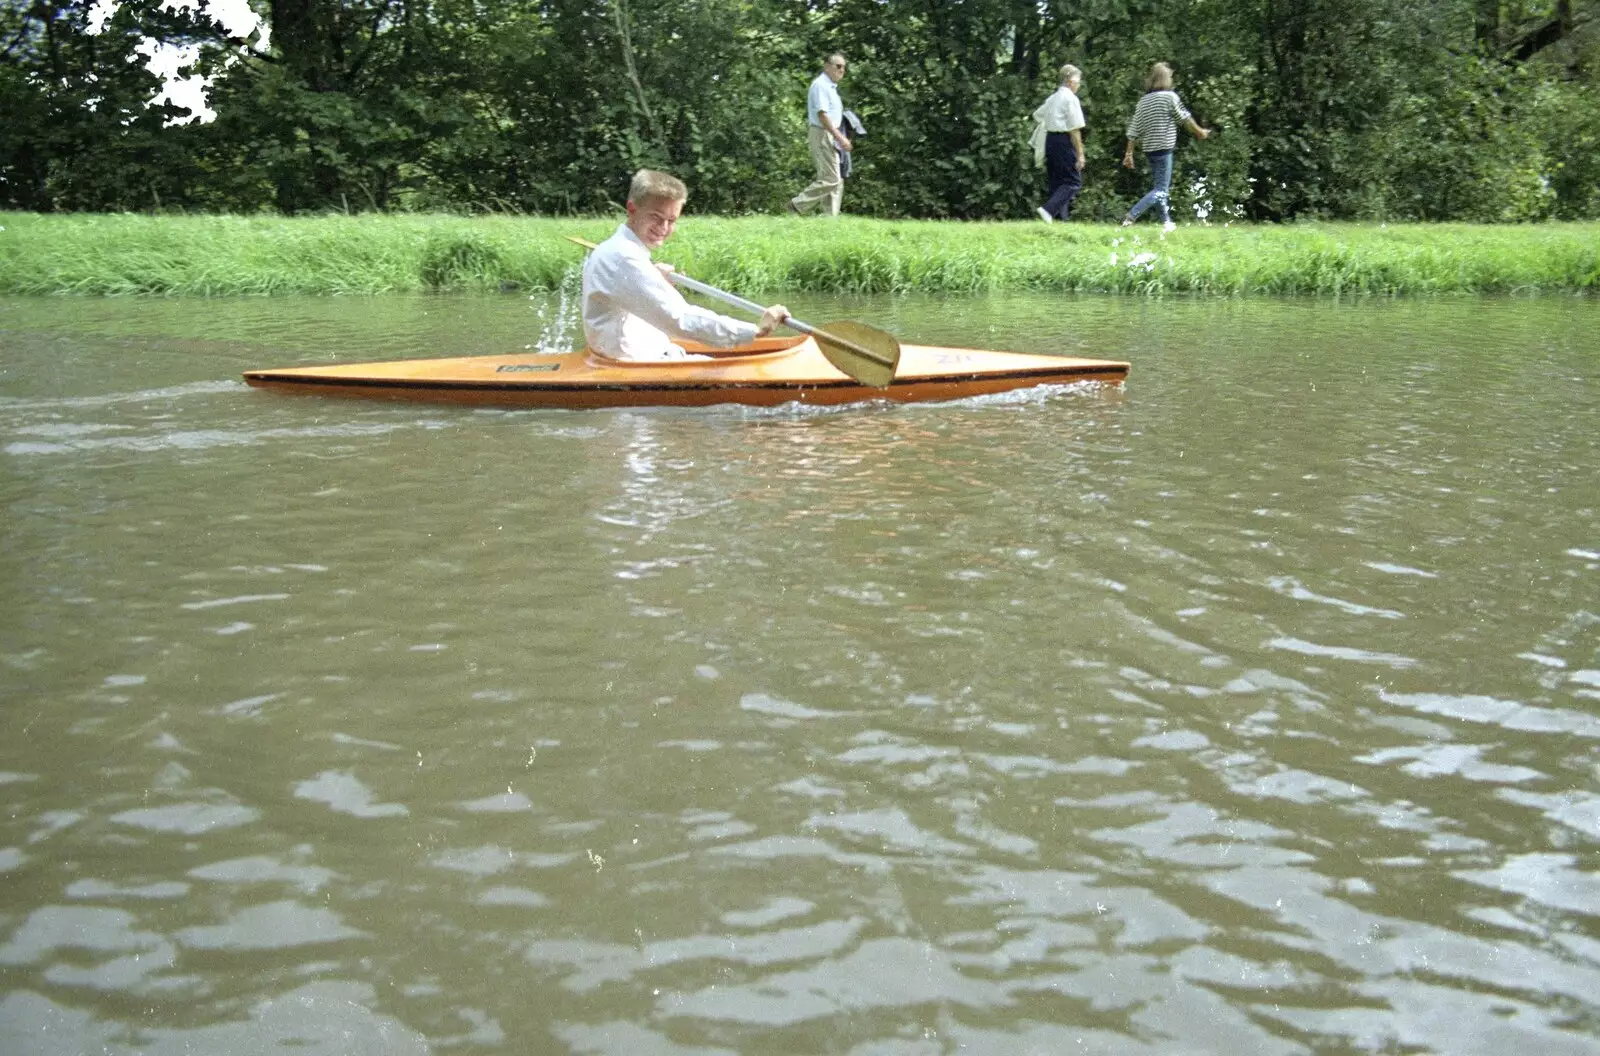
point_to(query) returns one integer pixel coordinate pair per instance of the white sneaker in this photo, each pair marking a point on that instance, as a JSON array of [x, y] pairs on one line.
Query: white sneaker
[[1168, 227], [1046, 217]]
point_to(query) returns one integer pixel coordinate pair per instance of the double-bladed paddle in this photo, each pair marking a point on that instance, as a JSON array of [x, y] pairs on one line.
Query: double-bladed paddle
[[864, 352]]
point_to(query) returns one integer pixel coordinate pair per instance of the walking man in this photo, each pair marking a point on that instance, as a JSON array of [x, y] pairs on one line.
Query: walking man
[[824, 118]]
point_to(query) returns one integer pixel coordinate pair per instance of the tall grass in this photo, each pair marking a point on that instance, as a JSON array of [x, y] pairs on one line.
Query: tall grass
[[212, 255]]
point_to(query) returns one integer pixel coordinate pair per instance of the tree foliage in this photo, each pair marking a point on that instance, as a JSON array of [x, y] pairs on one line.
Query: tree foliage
[[1392, 109]]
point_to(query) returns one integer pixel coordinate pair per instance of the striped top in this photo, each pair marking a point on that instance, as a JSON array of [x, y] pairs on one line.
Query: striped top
[[1154, 125]]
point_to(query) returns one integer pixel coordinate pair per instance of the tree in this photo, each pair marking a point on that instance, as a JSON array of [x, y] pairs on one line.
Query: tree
[[78, 131], [1326, 108]]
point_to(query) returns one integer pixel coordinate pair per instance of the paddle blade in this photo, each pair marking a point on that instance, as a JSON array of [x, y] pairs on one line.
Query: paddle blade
[[876, 368]]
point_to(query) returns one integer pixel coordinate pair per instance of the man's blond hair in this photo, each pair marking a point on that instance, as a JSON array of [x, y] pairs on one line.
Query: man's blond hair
[[651, 186], [1159, 79]]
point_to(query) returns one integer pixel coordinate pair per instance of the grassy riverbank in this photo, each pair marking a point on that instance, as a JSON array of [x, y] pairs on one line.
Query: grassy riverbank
[[213, 256]]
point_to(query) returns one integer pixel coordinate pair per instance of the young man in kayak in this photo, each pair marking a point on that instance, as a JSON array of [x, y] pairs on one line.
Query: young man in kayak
[[630, 308]]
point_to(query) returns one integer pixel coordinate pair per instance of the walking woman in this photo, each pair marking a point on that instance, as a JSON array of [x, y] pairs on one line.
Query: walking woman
[[1060, 121], [1154, 127]]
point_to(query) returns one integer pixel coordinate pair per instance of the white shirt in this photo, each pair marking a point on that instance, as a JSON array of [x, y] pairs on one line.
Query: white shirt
[[824, 95], [1061, 112], [631, 311]]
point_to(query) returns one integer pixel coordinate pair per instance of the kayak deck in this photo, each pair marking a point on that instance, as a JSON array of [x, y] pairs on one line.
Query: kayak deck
[[769, 372]]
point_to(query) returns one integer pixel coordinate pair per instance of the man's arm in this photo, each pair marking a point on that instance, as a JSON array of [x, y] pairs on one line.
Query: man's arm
[[646, 290], [669, 312], [833, 130], [1077, 145]]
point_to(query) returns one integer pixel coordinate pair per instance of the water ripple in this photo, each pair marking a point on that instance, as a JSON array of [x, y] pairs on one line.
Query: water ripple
[[201, 440], [1209, 715]]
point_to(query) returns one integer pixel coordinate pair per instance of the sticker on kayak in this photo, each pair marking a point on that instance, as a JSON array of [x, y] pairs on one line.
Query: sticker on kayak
[[523, 368]]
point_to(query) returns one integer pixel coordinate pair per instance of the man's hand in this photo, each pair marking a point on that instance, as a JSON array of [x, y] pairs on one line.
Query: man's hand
[[844, 143], [666, 270], [774, 315]]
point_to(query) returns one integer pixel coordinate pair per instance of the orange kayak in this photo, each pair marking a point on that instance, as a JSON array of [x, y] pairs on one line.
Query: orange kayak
[[769, 372]]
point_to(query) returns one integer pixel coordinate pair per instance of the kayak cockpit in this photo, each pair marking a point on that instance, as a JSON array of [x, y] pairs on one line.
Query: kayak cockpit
[[761, 350]]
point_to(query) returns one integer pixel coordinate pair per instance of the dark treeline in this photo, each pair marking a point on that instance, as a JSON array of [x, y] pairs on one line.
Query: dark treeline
[[1479, 110]]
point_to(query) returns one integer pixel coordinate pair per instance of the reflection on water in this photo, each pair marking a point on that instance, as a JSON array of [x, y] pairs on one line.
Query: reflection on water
[[1253, 708]]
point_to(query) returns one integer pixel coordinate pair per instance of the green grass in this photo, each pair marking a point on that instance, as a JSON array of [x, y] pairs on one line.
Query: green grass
[[226, 255]]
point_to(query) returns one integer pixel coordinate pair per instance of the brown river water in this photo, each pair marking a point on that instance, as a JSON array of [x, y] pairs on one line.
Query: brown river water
[[1251, 708]]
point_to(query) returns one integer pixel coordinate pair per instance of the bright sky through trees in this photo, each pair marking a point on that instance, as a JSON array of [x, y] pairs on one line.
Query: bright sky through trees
[[169, 61]]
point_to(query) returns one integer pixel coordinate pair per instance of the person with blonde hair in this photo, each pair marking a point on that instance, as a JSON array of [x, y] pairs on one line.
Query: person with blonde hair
[[631, 310], [1059, 122], [1154, 127]]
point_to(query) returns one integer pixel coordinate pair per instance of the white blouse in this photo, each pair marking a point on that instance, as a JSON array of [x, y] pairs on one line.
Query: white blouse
[[1061, 112]]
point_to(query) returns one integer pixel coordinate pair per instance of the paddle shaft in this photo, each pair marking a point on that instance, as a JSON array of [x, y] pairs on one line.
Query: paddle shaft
[[755, 309], [791, 322]]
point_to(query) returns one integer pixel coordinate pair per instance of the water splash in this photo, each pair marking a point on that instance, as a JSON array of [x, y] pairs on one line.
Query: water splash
[[558, 326]]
